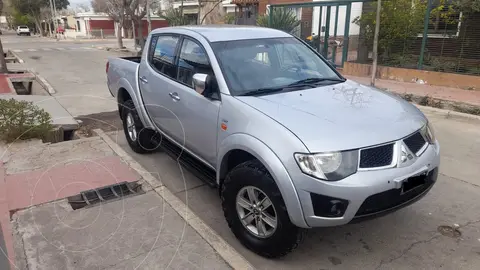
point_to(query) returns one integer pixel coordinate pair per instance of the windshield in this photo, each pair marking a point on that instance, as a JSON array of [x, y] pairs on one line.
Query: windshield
[[249, 65], [22, 27]]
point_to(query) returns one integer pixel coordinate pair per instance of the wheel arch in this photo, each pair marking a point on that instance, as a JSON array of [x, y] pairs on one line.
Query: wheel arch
[[126, 92], [243, 147]]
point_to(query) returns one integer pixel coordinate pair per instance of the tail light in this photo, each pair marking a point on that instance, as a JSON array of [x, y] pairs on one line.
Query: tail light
[[107, 66]]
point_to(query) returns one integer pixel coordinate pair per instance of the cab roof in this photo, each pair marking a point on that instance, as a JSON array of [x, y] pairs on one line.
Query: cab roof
[[227, 32]]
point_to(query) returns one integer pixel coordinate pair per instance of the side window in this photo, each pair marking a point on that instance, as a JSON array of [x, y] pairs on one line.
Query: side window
[[163, 55], [193, 59]]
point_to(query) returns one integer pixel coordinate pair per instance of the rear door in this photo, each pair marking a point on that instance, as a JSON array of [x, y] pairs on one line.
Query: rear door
[[156, 77]]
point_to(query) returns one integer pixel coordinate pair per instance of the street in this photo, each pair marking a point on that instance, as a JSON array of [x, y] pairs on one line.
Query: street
[[412, 238], [75, 68]]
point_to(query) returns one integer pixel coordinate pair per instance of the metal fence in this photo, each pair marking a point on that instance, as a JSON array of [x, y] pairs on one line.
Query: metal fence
[[435, 35], [101, 33]]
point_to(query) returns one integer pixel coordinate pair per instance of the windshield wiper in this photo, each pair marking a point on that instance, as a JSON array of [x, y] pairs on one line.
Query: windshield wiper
[[263, 91], [310, 82], [315, 81]]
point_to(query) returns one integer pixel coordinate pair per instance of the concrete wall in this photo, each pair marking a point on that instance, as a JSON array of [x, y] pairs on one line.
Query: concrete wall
[[412, 75]]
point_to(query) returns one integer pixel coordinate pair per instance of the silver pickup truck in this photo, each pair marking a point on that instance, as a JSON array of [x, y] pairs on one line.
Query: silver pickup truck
[[288, 141]]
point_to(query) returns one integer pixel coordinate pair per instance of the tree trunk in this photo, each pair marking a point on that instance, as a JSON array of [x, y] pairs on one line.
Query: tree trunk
[[48, 29], [140, 34], [3, 64], [39, 26], [375, 43], [119, 36]]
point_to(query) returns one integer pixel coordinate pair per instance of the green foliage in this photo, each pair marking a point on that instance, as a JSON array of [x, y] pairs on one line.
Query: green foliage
[[441, 65], [401, 60], [229, 18], [282, 19], [399, 20], [467, 5], [22, 120], [32, 7], [21, 19], [174, 17]]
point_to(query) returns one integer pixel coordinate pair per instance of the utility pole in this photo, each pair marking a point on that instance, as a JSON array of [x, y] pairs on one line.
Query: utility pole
[[54, 16], [375, 42], [53, 13], [149, 20]]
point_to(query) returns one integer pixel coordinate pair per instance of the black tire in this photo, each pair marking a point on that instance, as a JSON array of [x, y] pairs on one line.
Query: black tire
[[143, 142], [285, 238]]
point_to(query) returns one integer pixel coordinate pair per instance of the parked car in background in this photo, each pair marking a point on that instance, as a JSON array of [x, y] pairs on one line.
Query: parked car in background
[[23, 30], [60, 30], [289, 142]]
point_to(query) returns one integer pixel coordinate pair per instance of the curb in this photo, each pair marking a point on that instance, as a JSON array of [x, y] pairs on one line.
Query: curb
[[43, 82], [20, 60], [227, 252], [449, 113]]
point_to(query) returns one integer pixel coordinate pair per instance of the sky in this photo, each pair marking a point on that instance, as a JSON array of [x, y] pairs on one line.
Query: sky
[[74, 3]]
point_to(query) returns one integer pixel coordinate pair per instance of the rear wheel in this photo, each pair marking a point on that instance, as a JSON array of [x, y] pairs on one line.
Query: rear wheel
[[256, 212], [139, 138]]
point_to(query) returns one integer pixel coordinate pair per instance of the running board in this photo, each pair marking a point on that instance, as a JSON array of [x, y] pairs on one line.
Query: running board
[[188, 161]]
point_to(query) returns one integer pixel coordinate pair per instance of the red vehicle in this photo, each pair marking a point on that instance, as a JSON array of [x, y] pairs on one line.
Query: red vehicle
[[60, 30]]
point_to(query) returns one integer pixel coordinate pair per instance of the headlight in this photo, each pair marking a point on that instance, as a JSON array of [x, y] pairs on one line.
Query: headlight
[[330, 166], [429, 133]]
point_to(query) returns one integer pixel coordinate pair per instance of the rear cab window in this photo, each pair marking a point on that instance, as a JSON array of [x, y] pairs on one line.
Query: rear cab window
[[163, 54]]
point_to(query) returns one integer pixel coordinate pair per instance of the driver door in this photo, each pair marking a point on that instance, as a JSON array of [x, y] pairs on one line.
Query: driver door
[[197, 114]]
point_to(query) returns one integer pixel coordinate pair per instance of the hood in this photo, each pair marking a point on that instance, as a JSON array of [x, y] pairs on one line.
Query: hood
[[341, 116]]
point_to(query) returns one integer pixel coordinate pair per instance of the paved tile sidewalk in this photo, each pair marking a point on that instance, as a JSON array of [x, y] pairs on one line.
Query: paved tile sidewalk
[[42, 231], [440, 92]]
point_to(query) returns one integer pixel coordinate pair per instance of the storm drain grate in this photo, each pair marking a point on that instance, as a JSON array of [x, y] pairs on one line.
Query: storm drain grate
[[103, 194]]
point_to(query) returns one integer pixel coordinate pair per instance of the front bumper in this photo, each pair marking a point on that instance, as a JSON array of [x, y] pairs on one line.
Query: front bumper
[[366, 194]]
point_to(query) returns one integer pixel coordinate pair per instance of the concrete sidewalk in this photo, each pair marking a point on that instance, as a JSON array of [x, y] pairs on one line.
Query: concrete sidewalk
[[147, 230], [440, 92]]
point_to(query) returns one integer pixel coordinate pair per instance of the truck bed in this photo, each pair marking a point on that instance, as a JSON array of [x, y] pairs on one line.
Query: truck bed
[[135, 59]]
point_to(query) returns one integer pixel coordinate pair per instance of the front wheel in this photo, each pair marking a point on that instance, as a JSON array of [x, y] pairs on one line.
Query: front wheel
[[256, 213]]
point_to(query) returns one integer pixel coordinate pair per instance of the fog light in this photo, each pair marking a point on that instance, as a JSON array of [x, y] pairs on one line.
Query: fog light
[[325, 206]]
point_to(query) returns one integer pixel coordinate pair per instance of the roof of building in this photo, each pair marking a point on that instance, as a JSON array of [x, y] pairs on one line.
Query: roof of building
[[226, 32]]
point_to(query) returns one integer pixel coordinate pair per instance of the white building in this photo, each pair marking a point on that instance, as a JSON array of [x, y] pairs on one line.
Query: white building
[[190, 8], [342, 12]]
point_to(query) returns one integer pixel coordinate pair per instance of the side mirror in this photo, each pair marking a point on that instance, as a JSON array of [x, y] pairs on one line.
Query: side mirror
[[204, 85], [199, 82]]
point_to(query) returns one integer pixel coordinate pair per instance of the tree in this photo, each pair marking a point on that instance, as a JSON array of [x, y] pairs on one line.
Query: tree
[[33, 9], [3, 63], [400, 20], [173, 16], [282, 19], [137, 10], [117, 10], [210, 11]]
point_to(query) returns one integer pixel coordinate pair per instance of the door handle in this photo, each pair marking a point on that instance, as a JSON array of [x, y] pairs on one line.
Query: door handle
[[174, 95], [143, 79]]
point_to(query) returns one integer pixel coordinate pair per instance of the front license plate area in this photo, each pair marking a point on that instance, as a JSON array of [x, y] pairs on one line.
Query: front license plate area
[[414, 182]]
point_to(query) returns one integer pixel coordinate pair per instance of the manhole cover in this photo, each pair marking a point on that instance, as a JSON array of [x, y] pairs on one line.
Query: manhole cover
[[35, 57], [449, 231]]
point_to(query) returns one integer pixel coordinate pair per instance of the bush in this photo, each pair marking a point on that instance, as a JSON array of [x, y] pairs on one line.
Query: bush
[[23, 120], [282, 19]]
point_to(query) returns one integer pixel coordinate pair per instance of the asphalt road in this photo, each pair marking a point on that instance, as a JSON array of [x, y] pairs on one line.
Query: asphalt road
[[411, 238], [75, 69]]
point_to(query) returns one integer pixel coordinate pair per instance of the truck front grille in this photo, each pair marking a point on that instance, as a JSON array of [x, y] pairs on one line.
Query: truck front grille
[[378, 156], [415, 142]]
